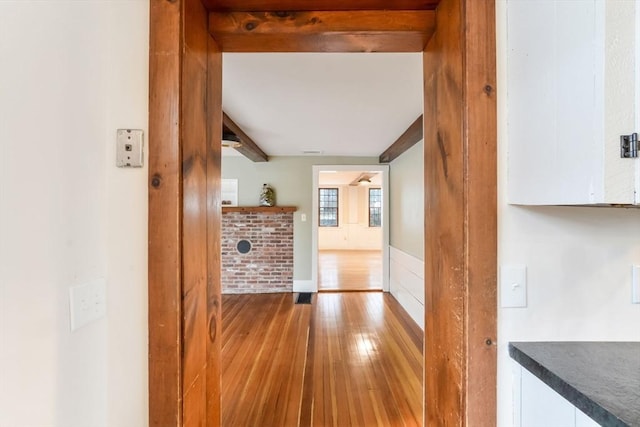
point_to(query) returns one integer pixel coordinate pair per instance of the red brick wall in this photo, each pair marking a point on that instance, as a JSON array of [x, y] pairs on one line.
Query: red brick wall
[[268, 267]]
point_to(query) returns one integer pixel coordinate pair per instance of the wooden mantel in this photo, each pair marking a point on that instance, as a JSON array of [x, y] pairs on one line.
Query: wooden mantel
[[259, 209]]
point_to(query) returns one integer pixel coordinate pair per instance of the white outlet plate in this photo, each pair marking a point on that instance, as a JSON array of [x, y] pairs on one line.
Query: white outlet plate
[[513, 286], [635, 284], [87, 303], [129, 148], [303, 217]]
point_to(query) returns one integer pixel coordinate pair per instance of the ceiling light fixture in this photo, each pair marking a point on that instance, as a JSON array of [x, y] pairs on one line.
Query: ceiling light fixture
[[231, 140]]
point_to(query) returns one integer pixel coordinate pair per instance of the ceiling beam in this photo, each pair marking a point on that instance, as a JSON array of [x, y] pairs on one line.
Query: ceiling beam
[[249, 149], [408, 139], [323, 31], [300, 5]]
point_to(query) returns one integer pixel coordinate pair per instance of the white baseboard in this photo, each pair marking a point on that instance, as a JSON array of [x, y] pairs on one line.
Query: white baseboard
[[303, 286]]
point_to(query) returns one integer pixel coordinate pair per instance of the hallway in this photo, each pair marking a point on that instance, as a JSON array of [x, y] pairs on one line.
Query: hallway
[[348, 359]]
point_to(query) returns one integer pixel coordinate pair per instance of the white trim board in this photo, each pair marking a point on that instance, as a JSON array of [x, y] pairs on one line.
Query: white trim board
[[304, 286]]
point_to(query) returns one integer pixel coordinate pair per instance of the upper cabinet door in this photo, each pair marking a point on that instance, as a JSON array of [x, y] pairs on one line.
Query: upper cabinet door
[[572, 92]]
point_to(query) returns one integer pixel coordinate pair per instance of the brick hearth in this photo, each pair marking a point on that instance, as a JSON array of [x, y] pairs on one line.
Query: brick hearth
[[268, 267]]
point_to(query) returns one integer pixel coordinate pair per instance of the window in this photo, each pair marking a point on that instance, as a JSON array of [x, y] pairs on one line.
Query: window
[[375, 207], [328, 198]]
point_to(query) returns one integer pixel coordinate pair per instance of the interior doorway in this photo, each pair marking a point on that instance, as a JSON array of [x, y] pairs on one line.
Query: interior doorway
[[457, 37], [350, 236]]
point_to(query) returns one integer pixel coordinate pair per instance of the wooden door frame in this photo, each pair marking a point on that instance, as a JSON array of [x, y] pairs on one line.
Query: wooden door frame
[[460, 216]]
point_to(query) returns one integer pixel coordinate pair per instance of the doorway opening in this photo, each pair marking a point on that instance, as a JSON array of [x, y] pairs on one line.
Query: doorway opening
[[186, 44], [350, 237]]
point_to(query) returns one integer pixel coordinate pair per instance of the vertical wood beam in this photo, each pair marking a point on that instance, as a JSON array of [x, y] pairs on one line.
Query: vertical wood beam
[[165, 212], [460, 216], [194, 213], [184, 216], [481, 185], [214, 231]]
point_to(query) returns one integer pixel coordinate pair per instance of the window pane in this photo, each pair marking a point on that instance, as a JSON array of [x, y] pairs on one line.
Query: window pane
[[375, 207], [328, 207]]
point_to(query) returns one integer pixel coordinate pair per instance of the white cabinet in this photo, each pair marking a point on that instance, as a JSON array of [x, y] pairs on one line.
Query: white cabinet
[[582, 420], [542, 406], [572, 90], [538, 405]]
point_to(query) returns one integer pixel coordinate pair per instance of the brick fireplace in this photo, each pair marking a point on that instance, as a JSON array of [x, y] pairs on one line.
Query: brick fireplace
[[257, 249]]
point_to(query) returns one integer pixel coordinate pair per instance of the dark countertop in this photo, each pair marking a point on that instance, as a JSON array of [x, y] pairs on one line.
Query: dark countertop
[[602, 379]]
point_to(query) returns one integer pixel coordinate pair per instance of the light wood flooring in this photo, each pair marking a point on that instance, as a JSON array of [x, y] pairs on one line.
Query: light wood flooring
[[352, 270], [347, 359]]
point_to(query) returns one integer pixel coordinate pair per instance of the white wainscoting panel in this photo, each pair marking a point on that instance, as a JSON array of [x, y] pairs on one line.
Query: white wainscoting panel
[[407, 283]]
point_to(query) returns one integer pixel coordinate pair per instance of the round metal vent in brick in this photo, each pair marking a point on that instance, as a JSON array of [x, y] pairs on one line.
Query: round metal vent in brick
[[244, 246]]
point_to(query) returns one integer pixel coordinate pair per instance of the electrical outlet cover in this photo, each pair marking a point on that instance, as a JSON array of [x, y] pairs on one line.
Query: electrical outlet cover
[[87, 303], [129, 148], [513, 286]]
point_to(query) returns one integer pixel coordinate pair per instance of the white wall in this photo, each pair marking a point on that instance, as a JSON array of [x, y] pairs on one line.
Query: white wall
[[127, 241], [406, 193], [353, 231], [72, 72], [579, 264]]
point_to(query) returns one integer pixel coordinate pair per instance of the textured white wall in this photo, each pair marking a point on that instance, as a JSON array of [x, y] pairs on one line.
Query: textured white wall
[[578, 259], [127, 89], [72, 72], [406, 193]]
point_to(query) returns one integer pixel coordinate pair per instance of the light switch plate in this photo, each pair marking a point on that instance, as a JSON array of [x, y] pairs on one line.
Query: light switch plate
[[513, 286], [129, 148], [635, 284], [87, 303]]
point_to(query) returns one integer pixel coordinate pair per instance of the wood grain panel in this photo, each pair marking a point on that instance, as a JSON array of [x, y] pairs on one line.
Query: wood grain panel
[[195, 413], [481, 217], [320, 31], [214, 233], [460, 256], [195, 217], [179, 322], [444, 222], [165, 210], [300, 5]]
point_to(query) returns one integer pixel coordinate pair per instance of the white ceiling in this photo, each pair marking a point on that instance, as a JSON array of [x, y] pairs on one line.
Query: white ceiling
[[346, 177], [342, 104]]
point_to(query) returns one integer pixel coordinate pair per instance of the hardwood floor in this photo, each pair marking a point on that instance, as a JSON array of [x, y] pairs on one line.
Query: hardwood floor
[[347, 359], [351, 270]]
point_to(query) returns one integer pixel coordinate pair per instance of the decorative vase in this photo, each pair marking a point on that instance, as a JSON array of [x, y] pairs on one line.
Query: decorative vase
[[267, 196]]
